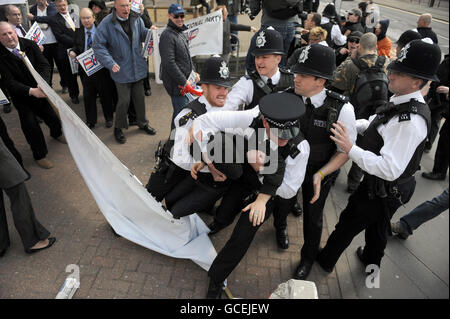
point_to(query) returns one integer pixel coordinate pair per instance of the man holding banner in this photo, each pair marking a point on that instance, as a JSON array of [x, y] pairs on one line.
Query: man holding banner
[[96, 82], [28, 98], [176, 62], [117, 45]]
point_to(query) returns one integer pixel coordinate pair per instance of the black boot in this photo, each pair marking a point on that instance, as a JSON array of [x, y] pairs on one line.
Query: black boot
[[282, 238], [296, 210], [214, 290], [303, 270]]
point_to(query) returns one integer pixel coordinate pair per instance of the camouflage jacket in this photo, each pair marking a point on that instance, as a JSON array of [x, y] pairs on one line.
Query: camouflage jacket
[[344, 78]]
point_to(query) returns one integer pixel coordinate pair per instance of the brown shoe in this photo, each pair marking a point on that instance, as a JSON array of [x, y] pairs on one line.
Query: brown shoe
[[44, 163], [61, 139]]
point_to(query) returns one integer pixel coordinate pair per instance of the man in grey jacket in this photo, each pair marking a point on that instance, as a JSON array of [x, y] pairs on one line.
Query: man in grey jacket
[[117, 45], [176, 62]]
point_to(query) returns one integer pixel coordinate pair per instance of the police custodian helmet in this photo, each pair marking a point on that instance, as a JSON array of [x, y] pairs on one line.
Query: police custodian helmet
[[215, 71], [317, 60], [268, 41], [282, 111], [418, 59]]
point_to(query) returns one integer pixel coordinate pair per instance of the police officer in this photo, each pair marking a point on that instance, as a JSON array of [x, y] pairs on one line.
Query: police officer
[[174, 159], [279, 129], [315, 65], [389, 152], [267, 77]]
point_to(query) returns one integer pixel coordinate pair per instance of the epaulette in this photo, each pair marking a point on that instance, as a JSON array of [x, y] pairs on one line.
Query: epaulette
[[184, 119], [337, 96]]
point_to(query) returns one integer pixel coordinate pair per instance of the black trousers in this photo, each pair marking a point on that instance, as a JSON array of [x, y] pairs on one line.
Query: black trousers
[[50, 52], [30, 127], [69, 79], [313, 213], [191, 196], [441, 157], [241, 238], [163, 181], [355, 174], [28, 227], [95, 84], [9, 142], [364, 213]]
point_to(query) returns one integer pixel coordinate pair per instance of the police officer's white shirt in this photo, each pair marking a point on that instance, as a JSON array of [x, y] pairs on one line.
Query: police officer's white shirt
[[181, 155], [239, 123], [336, 35], [242, 91], [346, 116], [400, 142]]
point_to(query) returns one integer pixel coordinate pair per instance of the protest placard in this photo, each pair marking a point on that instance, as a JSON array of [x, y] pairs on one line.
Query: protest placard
[[89, 62], [3, 99], [148, 45], [73, 62], [35, 34]]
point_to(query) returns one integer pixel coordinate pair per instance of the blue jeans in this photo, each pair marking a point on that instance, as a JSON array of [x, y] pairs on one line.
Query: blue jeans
[[286, 30], [424, 212], [178, 103], [233, 19]]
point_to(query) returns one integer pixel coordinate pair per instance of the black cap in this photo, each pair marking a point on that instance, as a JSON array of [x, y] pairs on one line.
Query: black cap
[[268, 41], [215, 71], [329, 11], [355, 35], [317, 60], [418, 59], [282, 110], [407, 37], [99, 3]]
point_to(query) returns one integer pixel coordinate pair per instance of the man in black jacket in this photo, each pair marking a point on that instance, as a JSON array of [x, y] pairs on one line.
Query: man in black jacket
[[97, 82], [423, 27], [176, 62], [28, 98], [63, 27]]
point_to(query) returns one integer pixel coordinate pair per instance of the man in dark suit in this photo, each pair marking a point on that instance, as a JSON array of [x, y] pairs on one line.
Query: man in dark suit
[[14, 17], [41, 13], [28, 98], [97, 82], [63, 27]]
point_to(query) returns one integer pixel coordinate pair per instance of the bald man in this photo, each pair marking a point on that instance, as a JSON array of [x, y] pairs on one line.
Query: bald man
[[423, 27], [97, 83]]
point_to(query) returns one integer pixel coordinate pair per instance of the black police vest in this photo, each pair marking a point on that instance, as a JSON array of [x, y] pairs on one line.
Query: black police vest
[[373, 142], [261, 89], [328, 26], [197, 109], [315, 125]]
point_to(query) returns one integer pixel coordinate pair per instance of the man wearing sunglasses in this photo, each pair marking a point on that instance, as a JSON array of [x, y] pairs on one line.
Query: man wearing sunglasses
[[353, 22], [354, 80], [351, 47], [176, 62]]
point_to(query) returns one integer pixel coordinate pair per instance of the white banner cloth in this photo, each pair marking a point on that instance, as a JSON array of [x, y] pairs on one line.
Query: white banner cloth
[[127, 206]]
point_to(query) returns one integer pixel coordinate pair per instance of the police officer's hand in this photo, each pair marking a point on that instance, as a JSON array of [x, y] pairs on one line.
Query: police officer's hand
[[341, 137], [190, 136], [317, 183], [257, 209], [217, 175], [197, 167]]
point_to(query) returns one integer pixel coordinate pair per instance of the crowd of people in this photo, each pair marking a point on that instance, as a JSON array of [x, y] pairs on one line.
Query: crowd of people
[[320, 90]]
